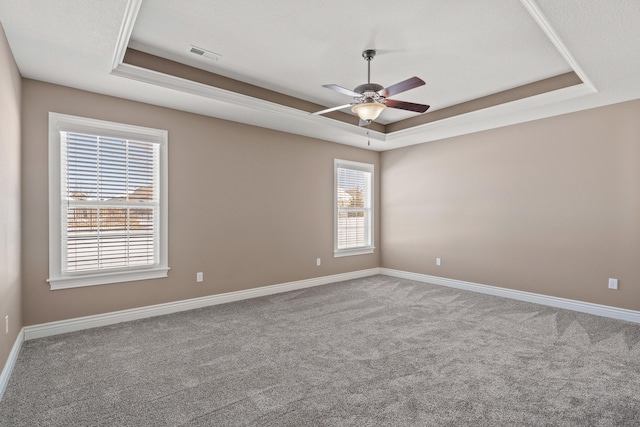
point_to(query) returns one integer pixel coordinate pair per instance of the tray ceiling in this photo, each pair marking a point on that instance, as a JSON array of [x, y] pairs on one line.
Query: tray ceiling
[[465, 51]]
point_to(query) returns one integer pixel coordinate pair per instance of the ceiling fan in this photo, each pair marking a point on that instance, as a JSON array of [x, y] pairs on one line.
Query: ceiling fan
[[370, 99]]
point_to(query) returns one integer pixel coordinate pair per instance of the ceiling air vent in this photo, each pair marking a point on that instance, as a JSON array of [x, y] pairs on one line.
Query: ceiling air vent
[[206, 53]]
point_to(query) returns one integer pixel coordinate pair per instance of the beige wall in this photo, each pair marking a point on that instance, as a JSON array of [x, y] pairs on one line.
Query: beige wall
[[248, 206], [10, 281], [551, 206]]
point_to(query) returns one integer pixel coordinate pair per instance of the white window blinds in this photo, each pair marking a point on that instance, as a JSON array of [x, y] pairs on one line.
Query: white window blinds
[[354, 200], [110, 203]]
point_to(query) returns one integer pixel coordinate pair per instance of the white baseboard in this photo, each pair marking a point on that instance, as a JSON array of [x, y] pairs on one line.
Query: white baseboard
[[76, 324], [70, 325], [79, 323], [11, 362], [584, 307]]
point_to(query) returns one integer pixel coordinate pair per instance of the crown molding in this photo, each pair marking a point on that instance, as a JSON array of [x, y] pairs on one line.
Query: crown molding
[[506, 114], [130, 16], [553, 36], [268, 114]]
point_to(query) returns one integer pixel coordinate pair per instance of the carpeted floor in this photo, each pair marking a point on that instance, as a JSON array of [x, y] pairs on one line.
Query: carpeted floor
[[372, 351]]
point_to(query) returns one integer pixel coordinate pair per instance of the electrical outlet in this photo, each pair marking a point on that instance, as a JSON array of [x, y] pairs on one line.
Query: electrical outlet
[[199, 276], [6, 324], [438, 262], [613, 283], [318, 261]]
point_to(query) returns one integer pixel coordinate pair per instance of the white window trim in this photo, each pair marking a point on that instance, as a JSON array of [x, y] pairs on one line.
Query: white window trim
[[63, 122], [365, 167]]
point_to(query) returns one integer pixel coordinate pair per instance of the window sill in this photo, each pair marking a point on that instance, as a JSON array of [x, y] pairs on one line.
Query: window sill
[[106, 278], [355, 251]]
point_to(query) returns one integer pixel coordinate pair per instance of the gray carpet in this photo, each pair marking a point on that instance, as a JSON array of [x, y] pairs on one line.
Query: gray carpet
[[373, 351]]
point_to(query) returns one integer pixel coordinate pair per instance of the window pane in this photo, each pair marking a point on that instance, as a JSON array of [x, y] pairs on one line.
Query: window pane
[[110, 202], [353, 207], [110, 238], [81, 220], [352, 229]]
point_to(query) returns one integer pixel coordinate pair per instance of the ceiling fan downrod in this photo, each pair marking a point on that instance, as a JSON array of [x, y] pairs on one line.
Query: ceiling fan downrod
[[369, 91], [368, 55]]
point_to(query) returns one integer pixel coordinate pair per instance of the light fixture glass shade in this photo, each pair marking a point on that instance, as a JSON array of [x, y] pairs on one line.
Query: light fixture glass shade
[[368, 111]]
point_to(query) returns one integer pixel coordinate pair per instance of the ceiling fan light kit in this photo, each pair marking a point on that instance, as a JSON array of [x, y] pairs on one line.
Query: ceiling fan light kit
[[368, 111], [371, 99]]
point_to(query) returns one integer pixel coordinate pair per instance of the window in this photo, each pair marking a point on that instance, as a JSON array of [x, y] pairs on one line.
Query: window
[[353, 208], [107, 202]]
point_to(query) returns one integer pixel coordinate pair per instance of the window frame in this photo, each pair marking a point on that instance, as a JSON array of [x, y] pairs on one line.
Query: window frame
[[363, 167], [58, 279]]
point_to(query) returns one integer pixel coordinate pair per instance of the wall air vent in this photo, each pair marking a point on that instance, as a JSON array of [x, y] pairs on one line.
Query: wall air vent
[[205, 53]]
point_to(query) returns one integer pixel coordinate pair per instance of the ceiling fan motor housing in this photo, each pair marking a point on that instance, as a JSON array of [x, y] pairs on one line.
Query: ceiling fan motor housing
[[369, 54], [369, 93], [368, 87]]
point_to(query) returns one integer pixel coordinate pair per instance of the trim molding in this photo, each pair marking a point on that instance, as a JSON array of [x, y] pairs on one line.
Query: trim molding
[[130, 16], [87, 322], [180, 84], [583, 307], [11, 362], [545, 25]]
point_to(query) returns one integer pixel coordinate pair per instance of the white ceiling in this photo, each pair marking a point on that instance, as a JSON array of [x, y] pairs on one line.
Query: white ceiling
[[463, 49]]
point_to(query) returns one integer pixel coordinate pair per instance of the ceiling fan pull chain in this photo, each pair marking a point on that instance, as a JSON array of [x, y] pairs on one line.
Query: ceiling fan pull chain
[[368, 139]]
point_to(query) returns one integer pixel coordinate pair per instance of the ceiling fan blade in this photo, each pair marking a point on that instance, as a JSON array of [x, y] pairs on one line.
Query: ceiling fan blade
[[343, 90], [403, 86], [363, 123], [328, 110], [409, 106]]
